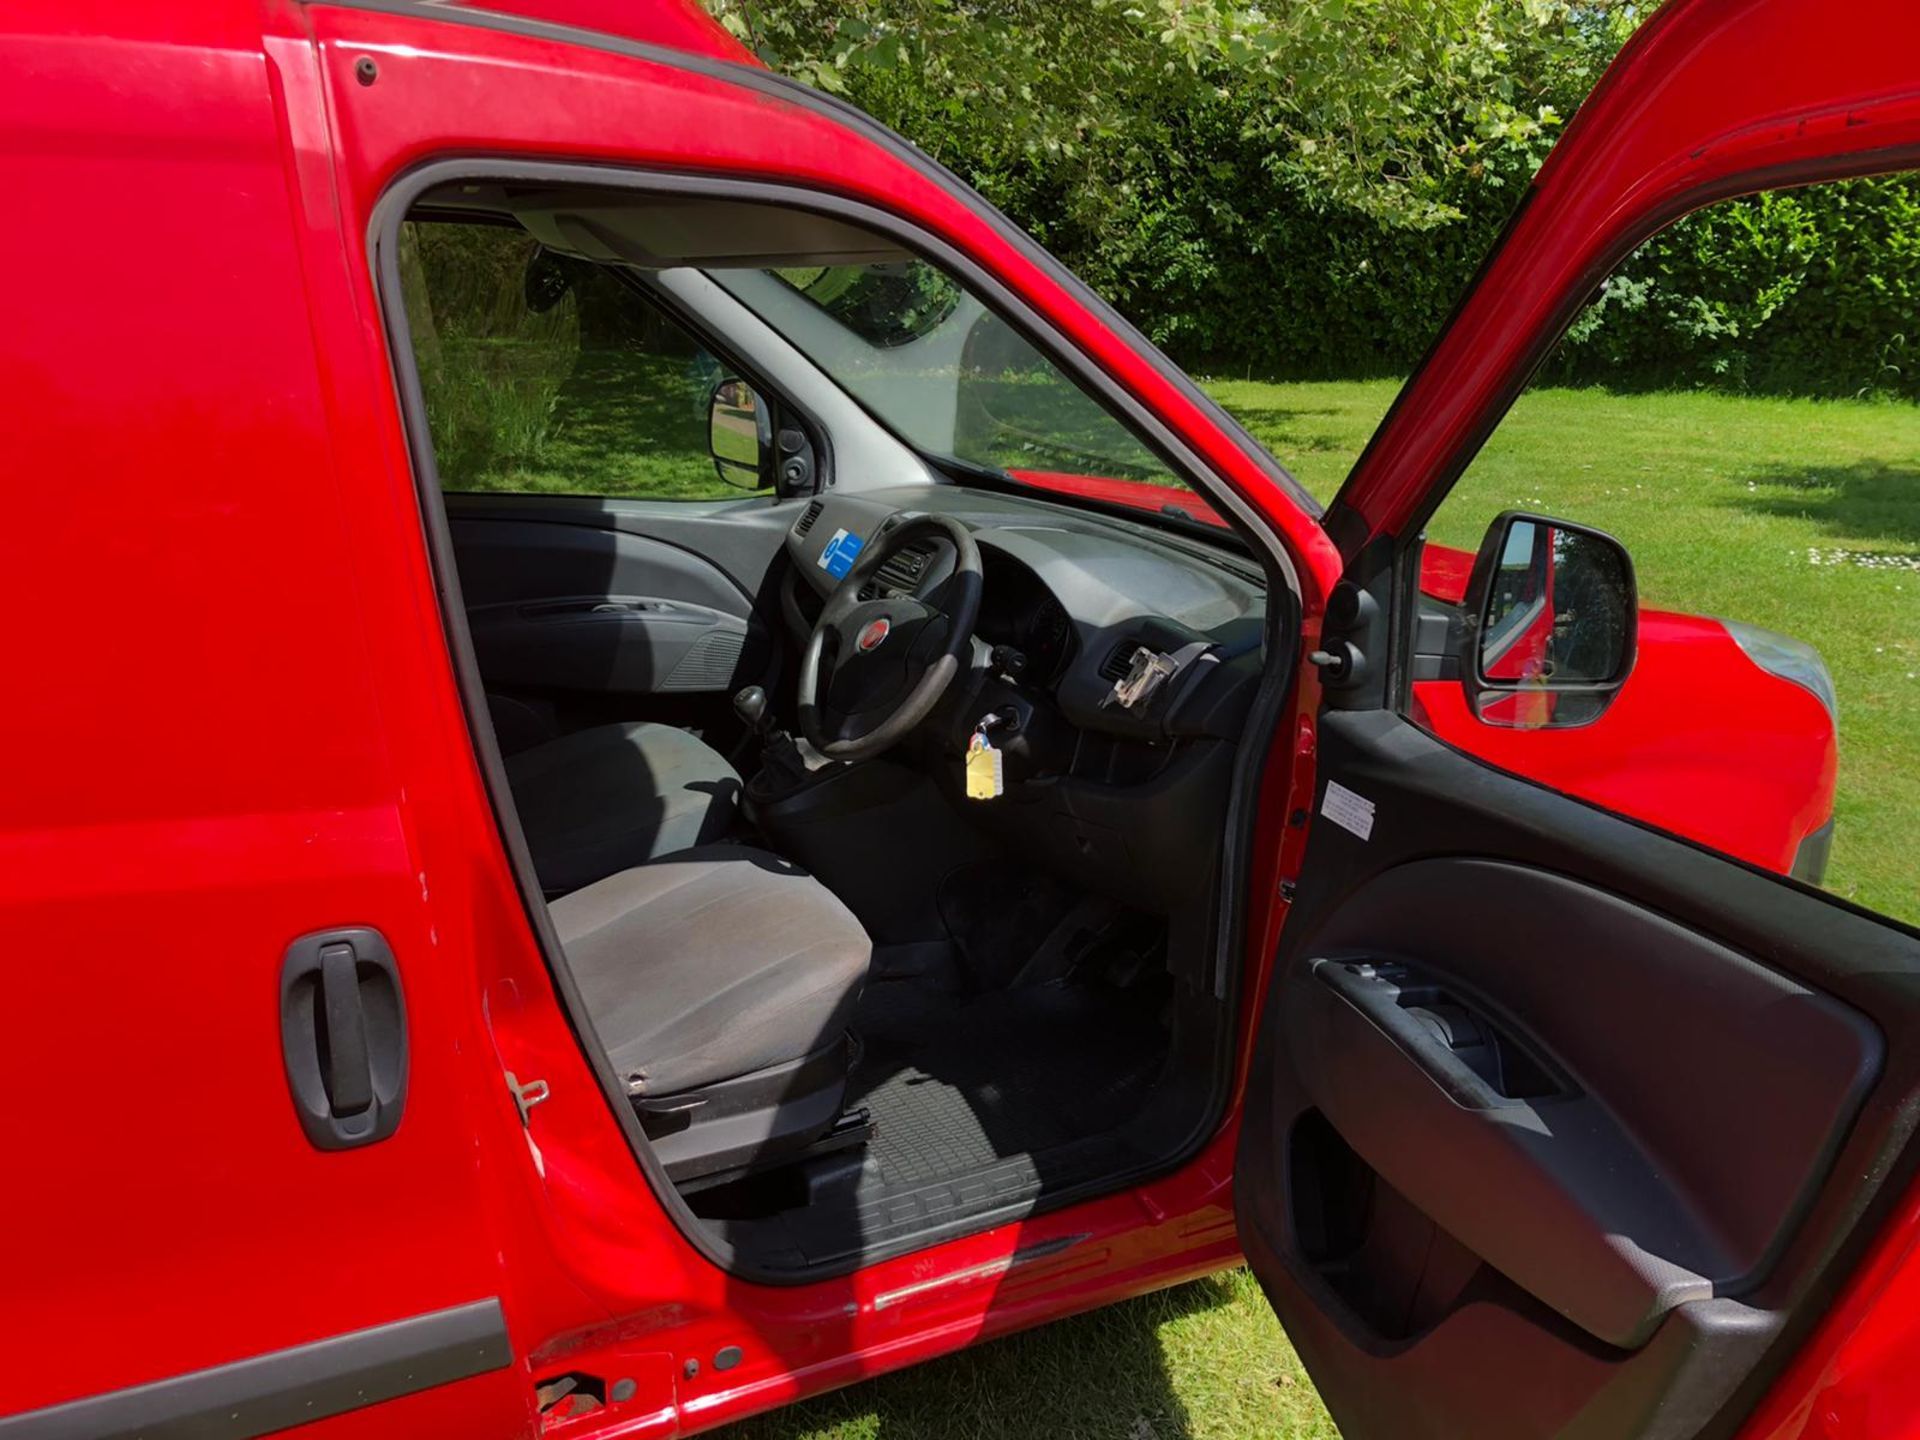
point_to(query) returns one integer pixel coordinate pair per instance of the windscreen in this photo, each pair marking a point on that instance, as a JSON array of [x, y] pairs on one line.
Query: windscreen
[[929, 360]]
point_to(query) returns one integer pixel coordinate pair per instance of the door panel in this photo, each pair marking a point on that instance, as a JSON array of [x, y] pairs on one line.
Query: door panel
[[724, 549], [629, 606], [1557, 1125], [1545, 1127]]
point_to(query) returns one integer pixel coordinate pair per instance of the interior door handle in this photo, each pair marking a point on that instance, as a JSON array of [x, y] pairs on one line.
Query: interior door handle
[[343, 1035], [1549, 1189], [1410, 1014]]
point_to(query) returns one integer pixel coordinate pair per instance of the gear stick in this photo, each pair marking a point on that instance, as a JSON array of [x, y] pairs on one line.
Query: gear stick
[[750, 704], [782, 768]]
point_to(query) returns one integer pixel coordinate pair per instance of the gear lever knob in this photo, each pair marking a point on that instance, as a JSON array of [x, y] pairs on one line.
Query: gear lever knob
[[750, 704]]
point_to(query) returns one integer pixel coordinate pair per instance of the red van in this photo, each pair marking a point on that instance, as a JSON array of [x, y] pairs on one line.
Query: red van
[[657, 768]]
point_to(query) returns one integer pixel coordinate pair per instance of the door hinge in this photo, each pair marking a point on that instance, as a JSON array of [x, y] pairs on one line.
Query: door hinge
[[526, 1096]]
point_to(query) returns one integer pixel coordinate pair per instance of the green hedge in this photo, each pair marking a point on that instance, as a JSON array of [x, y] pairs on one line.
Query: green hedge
[[1207, 193], [1791, 292]]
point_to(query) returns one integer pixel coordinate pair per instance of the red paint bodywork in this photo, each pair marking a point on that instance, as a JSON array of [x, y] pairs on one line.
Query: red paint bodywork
[[234, 718], [243, 726]]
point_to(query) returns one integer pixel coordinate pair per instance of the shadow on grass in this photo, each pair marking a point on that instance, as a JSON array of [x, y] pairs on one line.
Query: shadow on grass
[[619, 400], [611, 402], [1867, 500], [1102, 1374], [1280, 428]]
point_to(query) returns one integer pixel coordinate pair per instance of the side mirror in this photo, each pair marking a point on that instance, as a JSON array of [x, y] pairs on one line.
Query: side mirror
[[1553, 617], [740, 435], [546, 280]]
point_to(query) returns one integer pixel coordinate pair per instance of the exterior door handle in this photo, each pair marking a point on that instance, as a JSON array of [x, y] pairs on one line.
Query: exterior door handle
[[349, 1073], [343, 1034]]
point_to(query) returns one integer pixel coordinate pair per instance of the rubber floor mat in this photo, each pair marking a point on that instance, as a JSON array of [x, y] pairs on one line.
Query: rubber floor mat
[[956, 1084], [980, 1104]]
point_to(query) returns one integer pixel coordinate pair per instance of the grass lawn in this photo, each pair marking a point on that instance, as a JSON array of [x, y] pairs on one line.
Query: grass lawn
[[1801, 516], [1205, 1360]]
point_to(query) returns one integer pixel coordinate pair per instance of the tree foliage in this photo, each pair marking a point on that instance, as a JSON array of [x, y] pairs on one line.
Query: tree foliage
[[1375, 105], [1789, 291], [1304, 188]]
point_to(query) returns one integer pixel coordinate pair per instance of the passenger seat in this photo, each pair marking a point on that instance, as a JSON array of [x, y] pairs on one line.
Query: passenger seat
[[603, 800], [720, 983]]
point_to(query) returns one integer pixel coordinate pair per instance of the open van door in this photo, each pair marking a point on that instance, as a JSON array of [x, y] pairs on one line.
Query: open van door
[[1558, 1124]]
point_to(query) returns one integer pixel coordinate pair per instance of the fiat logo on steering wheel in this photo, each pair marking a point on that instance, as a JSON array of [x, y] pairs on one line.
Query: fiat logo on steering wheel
[[873, 633]]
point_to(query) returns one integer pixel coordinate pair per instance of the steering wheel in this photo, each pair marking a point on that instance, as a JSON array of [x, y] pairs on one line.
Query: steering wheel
[[874, 669]]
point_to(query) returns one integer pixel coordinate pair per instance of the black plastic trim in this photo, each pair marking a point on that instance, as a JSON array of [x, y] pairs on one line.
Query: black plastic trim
[[1436, 803], [283, 1388], [1810, 859], [1471, 637], [1618, 1180]]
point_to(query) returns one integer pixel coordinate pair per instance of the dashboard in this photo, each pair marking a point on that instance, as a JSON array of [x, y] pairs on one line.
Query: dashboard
[[1017, 610], [1121, 796], [1076, 594]]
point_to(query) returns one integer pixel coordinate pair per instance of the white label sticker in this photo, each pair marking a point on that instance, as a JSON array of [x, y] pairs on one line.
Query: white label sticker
[[1347, 810]]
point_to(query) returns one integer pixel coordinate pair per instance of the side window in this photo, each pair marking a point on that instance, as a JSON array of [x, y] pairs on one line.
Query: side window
[[546, 374], [1737, 409]]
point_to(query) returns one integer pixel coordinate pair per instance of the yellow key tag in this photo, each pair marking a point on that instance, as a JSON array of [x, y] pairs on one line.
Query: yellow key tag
[[986, 779]]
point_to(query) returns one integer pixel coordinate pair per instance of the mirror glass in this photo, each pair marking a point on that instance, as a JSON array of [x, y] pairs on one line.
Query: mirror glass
[[740, 434], [546, 280], [1559, 615]]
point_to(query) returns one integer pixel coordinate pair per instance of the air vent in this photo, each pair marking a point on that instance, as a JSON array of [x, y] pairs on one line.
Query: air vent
[[805, 522], [1120, 660], [900, 574]]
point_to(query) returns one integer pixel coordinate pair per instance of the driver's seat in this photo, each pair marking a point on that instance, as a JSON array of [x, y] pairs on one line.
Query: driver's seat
[[605, 799]]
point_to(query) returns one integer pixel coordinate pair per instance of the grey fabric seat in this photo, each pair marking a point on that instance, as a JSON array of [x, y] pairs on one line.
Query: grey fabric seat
[[706, 967], [605, 799]]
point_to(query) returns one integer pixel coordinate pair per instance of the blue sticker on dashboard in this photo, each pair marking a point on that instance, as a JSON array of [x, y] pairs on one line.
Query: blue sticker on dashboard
[[837, 558]]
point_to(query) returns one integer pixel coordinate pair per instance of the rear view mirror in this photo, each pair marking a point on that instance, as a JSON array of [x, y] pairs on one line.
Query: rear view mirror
[[1553, 621], [740, 435]]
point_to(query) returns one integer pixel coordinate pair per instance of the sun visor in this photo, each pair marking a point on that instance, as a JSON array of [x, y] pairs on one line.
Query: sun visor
[[709, 235]]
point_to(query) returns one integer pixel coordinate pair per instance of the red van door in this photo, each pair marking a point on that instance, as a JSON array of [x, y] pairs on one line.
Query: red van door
[[242, 1168], [1559, 1124]]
